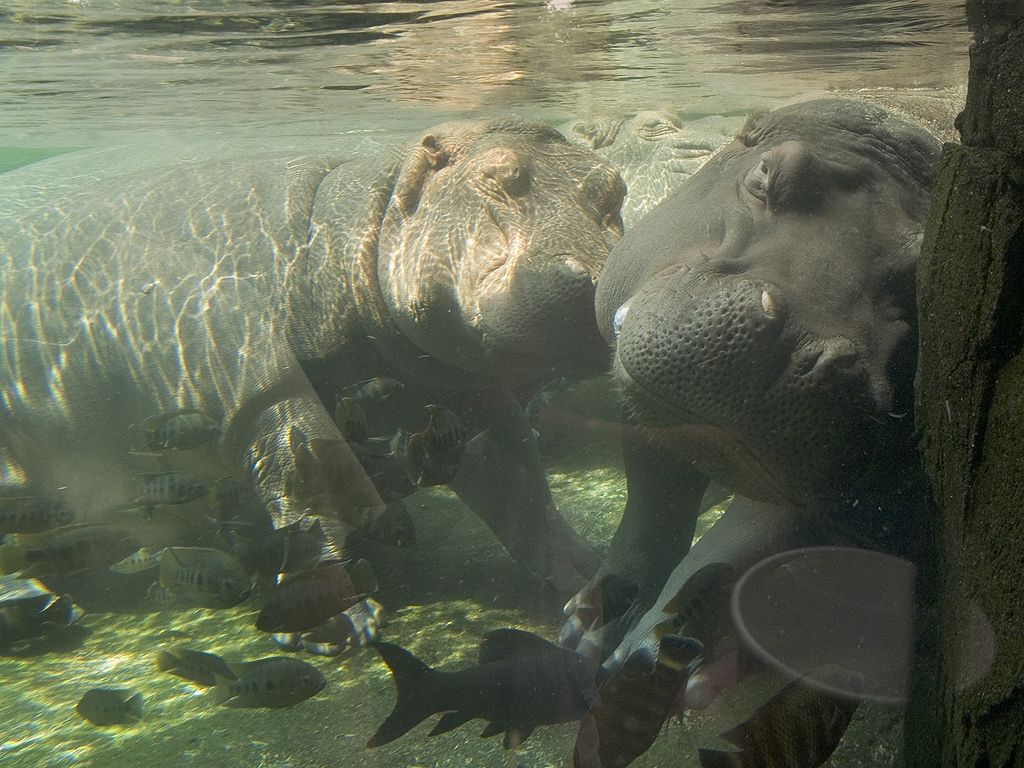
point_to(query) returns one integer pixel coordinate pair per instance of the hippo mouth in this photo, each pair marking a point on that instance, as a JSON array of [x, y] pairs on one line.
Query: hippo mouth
[[720, 452]]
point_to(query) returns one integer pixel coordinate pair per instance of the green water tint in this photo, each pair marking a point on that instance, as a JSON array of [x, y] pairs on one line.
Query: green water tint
[[441, 596], [15, 157]]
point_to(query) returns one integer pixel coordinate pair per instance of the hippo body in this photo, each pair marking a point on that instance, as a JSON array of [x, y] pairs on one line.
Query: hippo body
[[764, 324], [253, 288]]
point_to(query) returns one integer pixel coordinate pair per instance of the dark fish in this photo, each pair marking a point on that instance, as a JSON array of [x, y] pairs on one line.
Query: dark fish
[[799, 727], [522, 681], [178, 430], [393, 526], [353, 628], [701, 607], [171, 488], [235, 501], [635, 702], [28, 609], [308, 599], [31, 514], [209, 577], [196, 666], [295, 547], [432, 457], [110, 706], [385, 470], [379, 388], [273, 682], [607, 600], [67, 549], [350, 418], [545, 396]]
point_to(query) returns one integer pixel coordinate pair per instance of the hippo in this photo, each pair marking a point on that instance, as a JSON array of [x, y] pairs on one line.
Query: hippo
[[763, 319], [253, 286], [654, 150]]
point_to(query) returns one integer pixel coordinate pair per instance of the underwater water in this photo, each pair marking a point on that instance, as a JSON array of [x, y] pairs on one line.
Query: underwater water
[[349, 79]]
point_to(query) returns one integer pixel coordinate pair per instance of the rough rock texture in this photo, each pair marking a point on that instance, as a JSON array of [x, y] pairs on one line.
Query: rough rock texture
[[970, 391]]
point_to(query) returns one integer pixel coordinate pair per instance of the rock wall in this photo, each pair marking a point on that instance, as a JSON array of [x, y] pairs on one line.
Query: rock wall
[[967, 708]]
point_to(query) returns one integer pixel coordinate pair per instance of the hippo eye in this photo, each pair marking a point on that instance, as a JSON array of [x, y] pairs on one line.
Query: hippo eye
[[758, 179], [613, 222]]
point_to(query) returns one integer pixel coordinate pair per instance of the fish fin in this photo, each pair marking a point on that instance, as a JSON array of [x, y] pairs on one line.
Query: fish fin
[[740, 735], [363, 577], [492, 729], [719, 758], [676, 652], [508, 643], [222, 690], [134, 706], [60, 611], [516, 736], [449, 722], [617, 595], [413, 702]]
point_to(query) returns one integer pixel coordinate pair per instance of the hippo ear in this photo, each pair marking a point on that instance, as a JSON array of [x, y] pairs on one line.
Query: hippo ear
[[425, 158]]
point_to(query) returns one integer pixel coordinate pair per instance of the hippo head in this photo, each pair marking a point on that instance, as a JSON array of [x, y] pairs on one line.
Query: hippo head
[[764, 315], [491, 245]]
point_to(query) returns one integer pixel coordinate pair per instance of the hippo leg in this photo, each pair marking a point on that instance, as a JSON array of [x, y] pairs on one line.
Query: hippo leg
[[663, 503], [502, 479], [747, 533]]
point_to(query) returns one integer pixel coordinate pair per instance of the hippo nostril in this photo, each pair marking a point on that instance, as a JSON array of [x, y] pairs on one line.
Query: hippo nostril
[[768, 305], [836, 354], [620, 318]]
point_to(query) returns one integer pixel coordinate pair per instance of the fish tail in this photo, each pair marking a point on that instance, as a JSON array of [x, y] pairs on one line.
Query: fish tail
[[134, 706], [414, 693], [222, 689], [363, 578]]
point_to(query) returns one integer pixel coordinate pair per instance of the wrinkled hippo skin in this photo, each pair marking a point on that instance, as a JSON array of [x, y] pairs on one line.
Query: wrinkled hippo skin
[[764, 324], [254, 286], [654, 150]]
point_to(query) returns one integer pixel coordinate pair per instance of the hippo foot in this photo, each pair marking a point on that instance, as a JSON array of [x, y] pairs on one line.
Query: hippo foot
[[600, 614]]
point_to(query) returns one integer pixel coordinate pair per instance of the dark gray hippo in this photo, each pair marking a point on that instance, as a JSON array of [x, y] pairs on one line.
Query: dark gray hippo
[[764, 325], [254, 286]]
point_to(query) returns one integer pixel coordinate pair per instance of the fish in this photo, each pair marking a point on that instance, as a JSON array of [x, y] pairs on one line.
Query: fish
[[295, 547], [543, 399], [393, 526], [140, 560], [110, 706], [521, 681], [306, 600], [209, 577], [701, 606], [432, 456], [379, 388], [32, 514], [171, 488], [635, 702], [28, 608], [350, 419], [68, 549], [355, 627], [180, 430], [274, 682], [385, 470], [198, 667], [798, 727]]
